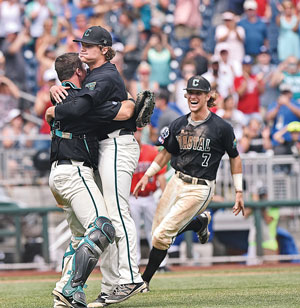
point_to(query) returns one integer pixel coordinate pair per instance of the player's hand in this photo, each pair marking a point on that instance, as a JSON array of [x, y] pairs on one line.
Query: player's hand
[[50, 114], [58, 93], [142, 183], [239, 204]]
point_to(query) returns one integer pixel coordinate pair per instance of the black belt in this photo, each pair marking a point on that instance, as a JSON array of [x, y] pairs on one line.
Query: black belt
[[125, 131], [189, 179], [122, 132], [69, 162]]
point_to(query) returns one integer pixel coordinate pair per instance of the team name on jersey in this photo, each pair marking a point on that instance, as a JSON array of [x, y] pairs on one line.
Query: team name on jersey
[[196, 143]]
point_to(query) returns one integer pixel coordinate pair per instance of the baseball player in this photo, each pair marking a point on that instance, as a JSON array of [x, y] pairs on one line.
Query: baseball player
[[118, 157], [195, 143], [74, 154], [145, 206]]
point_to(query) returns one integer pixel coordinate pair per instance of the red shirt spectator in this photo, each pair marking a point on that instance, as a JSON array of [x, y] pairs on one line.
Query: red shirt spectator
[[148, 153], [248, 87]]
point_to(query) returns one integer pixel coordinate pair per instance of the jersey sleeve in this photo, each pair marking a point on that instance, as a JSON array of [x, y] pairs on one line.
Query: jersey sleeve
[[76, 108], [230, 141], [107, 111], [96, 90], [168, 139]]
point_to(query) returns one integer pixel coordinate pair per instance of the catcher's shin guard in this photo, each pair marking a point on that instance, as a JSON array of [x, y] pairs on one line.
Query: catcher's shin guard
[[88, 253]]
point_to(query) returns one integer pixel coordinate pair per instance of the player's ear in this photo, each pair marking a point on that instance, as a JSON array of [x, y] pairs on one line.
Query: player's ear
[[207, 97], [185, 95]]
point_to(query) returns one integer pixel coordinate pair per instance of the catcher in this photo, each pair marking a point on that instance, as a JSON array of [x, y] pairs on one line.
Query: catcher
[[118, 158]]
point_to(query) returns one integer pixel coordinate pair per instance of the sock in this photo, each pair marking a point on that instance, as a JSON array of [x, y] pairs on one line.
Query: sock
[[155, 259], [194, 225]]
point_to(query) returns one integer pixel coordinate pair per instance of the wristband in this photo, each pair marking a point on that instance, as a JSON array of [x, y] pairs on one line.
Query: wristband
[[238, 182], [153, 169], [131, 99]]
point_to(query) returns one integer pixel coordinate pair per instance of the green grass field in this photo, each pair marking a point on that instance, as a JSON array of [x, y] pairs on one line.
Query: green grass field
[[242, 287]]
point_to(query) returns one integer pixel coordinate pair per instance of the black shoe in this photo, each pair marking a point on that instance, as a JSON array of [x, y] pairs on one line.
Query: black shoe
[[124, 291], [76, 301], [99, 302], [203, 233], [163, 269]]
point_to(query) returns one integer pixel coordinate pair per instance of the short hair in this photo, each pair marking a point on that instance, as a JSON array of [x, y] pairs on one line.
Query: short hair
[[66, 65]]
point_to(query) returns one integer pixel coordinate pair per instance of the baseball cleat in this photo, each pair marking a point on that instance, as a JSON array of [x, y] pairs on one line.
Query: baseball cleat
[[203, 233], [69, 301], [99, 301], [147, 289], [124, 291]]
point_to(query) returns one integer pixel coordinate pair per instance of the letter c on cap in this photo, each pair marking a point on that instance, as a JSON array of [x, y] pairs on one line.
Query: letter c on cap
[[195, 82]]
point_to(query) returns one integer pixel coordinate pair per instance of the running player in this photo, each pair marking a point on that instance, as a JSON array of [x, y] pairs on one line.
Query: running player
[[195, 143]]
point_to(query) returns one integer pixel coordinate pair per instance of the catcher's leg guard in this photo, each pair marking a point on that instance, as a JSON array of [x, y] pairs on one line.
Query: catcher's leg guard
[[87, 255]]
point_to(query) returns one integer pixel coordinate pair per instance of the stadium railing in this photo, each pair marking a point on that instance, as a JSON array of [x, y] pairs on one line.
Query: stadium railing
[[13, 210]]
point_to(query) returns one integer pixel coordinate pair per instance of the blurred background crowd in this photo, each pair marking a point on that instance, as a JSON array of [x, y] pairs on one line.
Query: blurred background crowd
[[249, 50]]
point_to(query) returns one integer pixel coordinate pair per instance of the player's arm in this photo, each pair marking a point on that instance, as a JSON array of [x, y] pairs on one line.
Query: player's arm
[[236, 171], [127, 109], [58, 93], [158, 163]]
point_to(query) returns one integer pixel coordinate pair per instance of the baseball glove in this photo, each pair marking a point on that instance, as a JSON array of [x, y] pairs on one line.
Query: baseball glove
[[144, 106]]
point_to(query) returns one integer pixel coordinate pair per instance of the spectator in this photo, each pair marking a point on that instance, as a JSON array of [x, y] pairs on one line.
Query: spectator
[[265, 69], [10, 13], [255, 29], [165, 116], [187, 18], [292, 146], [233, 35], [9, 93], [235, 117], [159, 54], [37, 12], [282, 112], [288, 39], [248, 88], [256, 138], [143, 80], [212, 74], [74, 8], [129, 37], [47, 37], [187, 70], [14, 58], [143, 208], [288, 73], [220, 75], [269, 222], [41, 104], [14, 135], [198, 54], [144, 10]]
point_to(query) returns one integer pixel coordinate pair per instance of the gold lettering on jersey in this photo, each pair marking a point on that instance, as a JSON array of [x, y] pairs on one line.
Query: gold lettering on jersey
[[193, 142]]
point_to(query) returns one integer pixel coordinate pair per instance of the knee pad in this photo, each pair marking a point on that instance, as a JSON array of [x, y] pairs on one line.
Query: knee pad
[[89, 251]]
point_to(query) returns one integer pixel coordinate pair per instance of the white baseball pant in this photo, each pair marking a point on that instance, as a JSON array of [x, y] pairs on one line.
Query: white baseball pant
[[118, 159], [74, 187]]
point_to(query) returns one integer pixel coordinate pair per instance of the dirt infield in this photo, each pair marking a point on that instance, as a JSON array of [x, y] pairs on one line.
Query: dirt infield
[[218, 267]]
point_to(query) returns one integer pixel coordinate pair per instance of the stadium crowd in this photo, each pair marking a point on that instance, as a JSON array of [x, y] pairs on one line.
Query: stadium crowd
[[248, 50]]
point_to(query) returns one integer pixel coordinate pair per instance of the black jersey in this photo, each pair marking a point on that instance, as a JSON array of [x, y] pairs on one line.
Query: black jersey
[[79, 141], [102, 84], [198, 150]]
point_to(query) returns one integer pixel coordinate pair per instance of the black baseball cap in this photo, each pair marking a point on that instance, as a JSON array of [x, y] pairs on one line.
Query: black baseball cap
[[198, 83], [96, 35]]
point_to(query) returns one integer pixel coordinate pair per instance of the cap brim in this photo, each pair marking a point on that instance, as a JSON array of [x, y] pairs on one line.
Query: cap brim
[[86, 41], [196, 89]]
